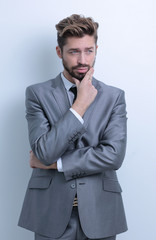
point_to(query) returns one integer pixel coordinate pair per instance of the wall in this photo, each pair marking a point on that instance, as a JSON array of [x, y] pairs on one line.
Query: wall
[[126, 58]]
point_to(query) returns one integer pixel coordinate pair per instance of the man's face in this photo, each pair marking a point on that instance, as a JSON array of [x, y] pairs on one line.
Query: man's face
[[78, 56]]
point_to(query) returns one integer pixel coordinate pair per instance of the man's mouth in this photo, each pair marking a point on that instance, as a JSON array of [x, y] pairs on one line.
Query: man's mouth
[[82, 69]]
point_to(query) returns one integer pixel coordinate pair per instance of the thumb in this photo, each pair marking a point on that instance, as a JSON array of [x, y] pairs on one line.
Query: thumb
[[77, 82]]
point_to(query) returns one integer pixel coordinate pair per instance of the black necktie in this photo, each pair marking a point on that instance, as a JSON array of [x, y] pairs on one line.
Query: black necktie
[[74, 91]]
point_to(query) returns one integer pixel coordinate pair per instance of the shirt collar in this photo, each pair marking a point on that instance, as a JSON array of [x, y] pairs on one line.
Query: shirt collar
[[66, 82]]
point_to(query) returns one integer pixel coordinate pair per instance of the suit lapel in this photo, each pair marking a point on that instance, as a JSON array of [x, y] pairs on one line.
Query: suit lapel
[[60, 95], [92, 107]]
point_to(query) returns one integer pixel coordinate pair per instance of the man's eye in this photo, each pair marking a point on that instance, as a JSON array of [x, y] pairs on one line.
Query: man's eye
[[73, 52], [89, 51]]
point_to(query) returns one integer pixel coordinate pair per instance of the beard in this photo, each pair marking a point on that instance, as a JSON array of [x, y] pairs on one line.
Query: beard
[[78, 76]]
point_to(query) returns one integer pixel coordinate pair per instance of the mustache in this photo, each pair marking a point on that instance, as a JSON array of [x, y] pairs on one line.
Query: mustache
[[81, 65]]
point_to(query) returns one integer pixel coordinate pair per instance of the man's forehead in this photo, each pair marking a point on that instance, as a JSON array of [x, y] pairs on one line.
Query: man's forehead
[[83, 42]]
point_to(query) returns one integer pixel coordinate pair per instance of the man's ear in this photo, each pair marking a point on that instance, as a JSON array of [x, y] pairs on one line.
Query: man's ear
[[59, 52], [96, 48]]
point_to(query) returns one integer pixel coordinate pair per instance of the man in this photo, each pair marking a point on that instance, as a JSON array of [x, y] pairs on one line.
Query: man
[[78, 140]]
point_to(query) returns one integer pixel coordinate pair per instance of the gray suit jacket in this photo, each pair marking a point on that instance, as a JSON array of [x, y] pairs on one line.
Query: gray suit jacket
[[91, 153]]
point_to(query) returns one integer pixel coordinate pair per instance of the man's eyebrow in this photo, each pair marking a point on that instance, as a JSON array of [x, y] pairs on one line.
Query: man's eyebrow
[[89, 48], [72, 49]]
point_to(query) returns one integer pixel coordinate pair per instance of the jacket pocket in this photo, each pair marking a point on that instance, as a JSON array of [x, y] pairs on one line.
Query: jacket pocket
[[111, 185], [40, 182]]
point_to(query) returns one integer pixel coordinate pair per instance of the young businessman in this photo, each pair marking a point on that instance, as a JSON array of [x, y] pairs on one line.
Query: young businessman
[[77, 133]]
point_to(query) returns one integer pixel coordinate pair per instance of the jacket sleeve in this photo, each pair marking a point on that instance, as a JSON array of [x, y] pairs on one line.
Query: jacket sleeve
[[49, 142], [108, 154]]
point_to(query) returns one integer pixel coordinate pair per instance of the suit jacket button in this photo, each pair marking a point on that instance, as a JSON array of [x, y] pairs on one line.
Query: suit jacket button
[[72, 185]]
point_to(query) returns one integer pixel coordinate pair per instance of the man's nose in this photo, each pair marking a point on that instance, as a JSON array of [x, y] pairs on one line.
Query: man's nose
[[81, 58]]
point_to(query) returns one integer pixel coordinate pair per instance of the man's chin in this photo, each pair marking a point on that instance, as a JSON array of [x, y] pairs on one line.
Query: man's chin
[[79, 76]]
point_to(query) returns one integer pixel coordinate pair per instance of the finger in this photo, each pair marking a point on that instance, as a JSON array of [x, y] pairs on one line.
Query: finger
[[31, 165], [77, 82], [89, 74], [91, 71]]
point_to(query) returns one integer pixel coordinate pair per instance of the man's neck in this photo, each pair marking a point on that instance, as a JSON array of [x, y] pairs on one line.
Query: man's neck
[[68, 76]]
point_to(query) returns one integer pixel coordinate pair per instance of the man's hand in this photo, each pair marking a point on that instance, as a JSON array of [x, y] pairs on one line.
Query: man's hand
[[86, 93], [36, 163]]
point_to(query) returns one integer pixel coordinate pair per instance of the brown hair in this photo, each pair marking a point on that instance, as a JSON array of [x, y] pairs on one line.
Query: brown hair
[[75, 26]]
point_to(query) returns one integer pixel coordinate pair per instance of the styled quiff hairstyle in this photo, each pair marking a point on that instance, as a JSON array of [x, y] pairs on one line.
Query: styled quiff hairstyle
[[75, 26]]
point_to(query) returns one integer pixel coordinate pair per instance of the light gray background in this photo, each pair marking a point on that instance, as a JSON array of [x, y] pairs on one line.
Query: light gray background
[[126, 58]]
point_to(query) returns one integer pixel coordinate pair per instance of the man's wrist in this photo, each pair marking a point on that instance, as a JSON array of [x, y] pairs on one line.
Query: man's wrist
[[52, 166], [80, 110], [77, 115]]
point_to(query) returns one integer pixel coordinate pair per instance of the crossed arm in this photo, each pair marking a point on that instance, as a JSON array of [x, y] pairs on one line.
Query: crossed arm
[[107, 155]]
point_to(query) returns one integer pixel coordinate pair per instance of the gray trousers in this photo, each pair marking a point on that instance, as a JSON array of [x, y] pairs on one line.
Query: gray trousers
[[73, 230]]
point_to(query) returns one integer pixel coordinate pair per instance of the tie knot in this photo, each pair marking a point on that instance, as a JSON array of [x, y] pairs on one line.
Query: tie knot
[[74, 91]]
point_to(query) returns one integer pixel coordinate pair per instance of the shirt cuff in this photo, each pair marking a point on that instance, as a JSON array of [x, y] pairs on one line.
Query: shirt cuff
[[77, 115], [59, 165]]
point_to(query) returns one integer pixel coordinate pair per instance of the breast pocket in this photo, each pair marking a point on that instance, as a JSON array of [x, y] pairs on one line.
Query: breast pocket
[[40, 182], [111, 185]]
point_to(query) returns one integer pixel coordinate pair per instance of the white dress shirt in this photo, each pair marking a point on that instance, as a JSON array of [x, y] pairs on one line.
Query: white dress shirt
[[68, 85]]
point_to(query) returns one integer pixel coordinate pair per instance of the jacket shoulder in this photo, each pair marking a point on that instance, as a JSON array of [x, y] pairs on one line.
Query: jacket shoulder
[[112, 90], [42, 85]]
